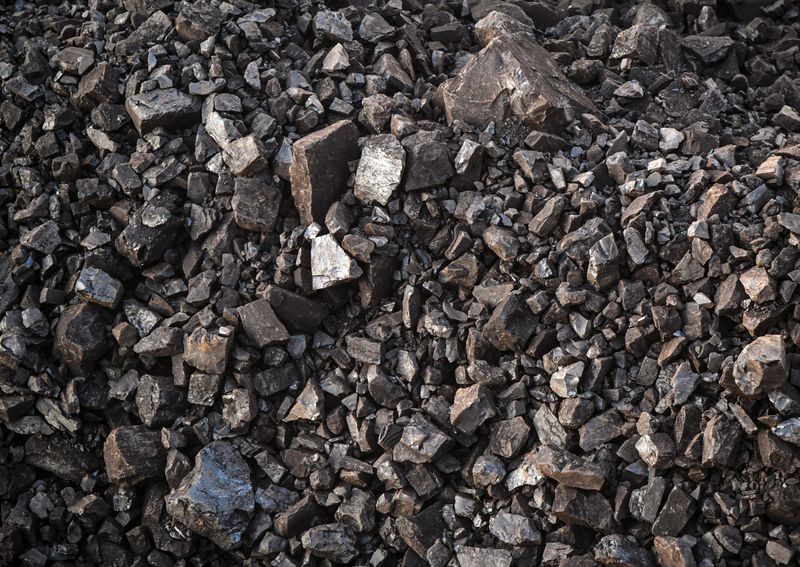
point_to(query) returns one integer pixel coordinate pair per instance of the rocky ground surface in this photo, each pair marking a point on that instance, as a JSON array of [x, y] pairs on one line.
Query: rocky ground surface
[[463, 283]]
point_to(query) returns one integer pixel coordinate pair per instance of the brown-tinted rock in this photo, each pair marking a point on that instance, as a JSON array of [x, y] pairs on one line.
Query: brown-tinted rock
[[133, 454], [516, 84], [761, 366], [622, 551], [207, 351], [568, 469], [673, 552], [721, 441], [583, 508], [319, 169], [81, 338], [511, 324], [471, 407], [255, 204]]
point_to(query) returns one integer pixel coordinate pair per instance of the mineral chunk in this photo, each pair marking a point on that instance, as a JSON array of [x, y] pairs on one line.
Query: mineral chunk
[[98, 287], [511, 324], [471, 407], [516, 84], [331, 541], [81, 337], [60, 456], [380, 169], [207, 351], [568, 469], [255, 204], [761, 366], [133, 454], [330, 264], [582, 508], [159, 401], [167, 108], [319, 169], [216, 499], [261, 324], [44, 238], [421, 441]]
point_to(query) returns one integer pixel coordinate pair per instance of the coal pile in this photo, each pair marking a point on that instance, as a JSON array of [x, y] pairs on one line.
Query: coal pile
[[461, 283]]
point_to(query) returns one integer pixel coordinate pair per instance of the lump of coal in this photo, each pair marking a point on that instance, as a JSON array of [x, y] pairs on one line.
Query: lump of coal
[[216, 499]]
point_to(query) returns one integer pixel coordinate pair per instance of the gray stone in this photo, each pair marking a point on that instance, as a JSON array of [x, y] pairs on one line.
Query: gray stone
[[380, 169], [168, 108], [98, 287], [330, 264]]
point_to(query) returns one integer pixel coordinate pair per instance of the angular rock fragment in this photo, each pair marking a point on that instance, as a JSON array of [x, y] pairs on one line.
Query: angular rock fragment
[[133, 454], [581, 508], [428, 162], [478, 556], [167, 108], [502, 242], [60, 456], [297, 312], [761, 366], [568, 469], [44, 238], [331, 541], [198, 21], [255, 204], [565, 381], [98, 287], [516, 84], [656, 449], [216, 499], [158, 400], [319, 169], [246, 156], [514, 529], [675, 513], [261, 324], [330, 264], [162, 341], [150, 231], [81, 338], [511, 324], [622, 550], [603, 270], [673, 552], [471, 407], [421, 442], [309, 405], [207, 351], [380, 169], [720, 441]]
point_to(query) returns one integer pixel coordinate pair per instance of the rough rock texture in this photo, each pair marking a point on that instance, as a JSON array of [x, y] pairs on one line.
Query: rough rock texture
[[319, 169], [494, 282], [216, 498], [517, 84]]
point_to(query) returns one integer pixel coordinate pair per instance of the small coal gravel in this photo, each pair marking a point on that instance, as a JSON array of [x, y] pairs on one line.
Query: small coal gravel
[[470, 283]]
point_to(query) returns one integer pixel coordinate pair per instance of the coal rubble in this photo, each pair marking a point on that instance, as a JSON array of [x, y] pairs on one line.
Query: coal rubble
[[454, 283]]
